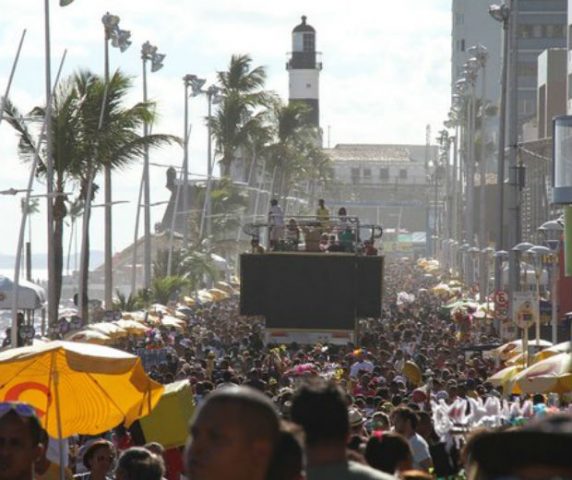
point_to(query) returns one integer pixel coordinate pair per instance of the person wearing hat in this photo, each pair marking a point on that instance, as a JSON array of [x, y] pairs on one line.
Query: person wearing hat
[[98, 457]]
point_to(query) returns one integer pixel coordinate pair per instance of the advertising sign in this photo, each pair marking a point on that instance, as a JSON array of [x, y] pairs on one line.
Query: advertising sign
[[524, 310]]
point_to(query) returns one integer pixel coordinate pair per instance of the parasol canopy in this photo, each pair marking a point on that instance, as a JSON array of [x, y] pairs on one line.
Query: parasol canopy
[[78, 388]]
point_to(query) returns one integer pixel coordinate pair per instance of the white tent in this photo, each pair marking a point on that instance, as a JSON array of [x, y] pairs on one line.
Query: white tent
[[30, 295]]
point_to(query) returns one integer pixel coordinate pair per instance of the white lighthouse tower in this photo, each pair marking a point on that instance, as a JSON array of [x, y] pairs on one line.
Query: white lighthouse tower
[[304, 70]]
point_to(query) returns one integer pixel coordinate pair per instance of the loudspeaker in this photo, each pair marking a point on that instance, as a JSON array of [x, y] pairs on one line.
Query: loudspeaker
[[370, 285]]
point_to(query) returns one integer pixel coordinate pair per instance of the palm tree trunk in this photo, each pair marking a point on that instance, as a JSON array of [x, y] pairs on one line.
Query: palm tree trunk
[[84, 268], [59, 216]]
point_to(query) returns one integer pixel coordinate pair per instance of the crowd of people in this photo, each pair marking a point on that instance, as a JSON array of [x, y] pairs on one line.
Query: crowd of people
[[410, 399]]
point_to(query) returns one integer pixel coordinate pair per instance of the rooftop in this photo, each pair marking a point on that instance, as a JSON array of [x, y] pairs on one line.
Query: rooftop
[[345, 152]]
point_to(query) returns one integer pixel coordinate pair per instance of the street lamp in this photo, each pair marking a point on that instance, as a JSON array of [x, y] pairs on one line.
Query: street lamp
[[11, 76], [501, 13], [538, 253], [119, 39], [552, 230], [213, 98], [148, 53], [195, 84]]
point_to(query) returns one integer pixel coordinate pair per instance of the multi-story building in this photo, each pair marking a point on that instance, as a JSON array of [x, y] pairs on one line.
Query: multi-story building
[[541, 26], [551, 89], [472, 25], [569, 61], [383, 184]]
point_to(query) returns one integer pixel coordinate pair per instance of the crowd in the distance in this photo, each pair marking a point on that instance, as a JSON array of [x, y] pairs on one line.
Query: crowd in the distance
[[328, 412]]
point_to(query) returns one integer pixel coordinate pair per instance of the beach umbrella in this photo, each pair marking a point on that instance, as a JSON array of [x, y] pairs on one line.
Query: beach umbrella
[[112, 330], [441, 288], [204, 296], [132, 327], [553, 375], [218, 294], [504, 376], [564, 347], [170, 321], [511, 349], [78, 388], [190, 302], [90, 336]]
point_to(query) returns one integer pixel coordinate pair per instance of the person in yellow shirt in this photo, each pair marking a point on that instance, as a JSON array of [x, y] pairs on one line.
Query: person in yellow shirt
[[44, 468], [322, 213]]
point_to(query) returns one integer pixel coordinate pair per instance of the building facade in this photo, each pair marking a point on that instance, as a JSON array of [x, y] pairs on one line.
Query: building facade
[[388, 185], [541, 25]]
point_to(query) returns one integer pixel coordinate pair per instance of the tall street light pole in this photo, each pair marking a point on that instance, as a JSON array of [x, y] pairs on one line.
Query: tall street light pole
[[501, 13], [195, 84], [148, 53], [213, 98], [120, 39]]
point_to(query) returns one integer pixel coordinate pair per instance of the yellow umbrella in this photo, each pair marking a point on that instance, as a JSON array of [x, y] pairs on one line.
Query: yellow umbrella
[[504, 376], [441, 288], [412, 371], [218, 294], [132, 327], [189, 301], [90, 336], [169, 321], [110, 329], [511, 349], [564, 347], [551, 375], [205, 296], [227, 287], [78, 388]]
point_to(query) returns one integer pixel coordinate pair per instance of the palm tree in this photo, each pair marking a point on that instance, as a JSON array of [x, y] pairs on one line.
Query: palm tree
[[82, 147], [294, 137], [236, 119]]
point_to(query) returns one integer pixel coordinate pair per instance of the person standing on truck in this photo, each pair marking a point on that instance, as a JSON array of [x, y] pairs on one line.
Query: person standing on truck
[[322, 213], [275, 223]]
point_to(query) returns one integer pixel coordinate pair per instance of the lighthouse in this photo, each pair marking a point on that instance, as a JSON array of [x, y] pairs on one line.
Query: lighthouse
[[304, 71]]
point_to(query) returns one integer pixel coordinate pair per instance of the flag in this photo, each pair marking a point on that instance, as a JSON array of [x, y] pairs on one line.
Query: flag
[[65, 3]]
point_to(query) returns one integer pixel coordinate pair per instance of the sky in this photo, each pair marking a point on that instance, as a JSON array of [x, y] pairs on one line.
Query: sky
[[386, 76]]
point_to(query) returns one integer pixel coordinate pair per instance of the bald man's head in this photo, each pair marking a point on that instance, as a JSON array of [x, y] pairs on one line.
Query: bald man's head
[[233, 435]]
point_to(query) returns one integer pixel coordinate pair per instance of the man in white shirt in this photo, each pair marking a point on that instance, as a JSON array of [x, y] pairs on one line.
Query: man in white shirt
[[362, 364], [405, 423]]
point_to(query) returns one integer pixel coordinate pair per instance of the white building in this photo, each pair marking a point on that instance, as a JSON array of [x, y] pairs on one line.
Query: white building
[[473, 25], [371, 164]]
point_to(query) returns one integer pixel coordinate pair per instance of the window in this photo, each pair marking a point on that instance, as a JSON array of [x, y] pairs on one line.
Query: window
[[355, 175], [525, 31], [537, 31], [527, 69], [554, 31], [384, 173], [367, 173], [459, 18], [526, 107], [403, 174], [462, 45], [309, 42]]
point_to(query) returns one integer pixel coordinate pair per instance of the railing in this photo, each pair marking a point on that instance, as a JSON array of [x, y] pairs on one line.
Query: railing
[[312, 234]]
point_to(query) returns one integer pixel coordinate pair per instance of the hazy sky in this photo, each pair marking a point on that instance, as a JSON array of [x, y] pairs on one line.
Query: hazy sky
[[385, 77]]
